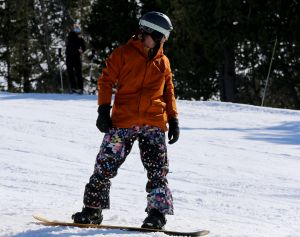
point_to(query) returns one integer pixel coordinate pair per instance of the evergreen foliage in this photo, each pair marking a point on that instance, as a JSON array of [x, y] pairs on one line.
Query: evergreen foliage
[[219, 49], [110, 24]]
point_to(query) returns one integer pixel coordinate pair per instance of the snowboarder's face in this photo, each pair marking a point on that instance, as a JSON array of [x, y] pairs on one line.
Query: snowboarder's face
[[150, 43]]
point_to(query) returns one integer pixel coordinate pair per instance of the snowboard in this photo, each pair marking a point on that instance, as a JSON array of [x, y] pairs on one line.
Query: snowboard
[[45, 221]]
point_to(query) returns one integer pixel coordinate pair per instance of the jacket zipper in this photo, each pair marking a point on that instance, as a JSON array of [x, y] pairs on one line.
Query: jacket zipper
[[142, 88]]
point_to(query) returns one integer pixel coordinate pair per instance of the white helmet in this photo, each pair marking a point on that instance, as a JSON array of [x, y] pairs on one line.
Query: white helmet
[[156, 21]]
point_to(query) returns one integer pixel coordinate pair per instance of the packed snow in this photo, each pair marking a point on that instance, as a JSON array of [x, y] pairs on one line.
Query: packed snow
[[234, 171]]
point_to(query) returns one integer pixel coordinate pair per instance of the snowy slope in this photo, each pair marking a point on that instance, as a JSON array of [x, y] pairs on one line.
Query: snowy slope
[[234, 171]]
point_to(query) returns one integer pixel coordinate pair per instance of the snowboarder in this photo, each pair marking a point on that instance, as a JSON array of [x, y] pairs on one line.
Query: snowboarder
[[75, 47], [144, 104]]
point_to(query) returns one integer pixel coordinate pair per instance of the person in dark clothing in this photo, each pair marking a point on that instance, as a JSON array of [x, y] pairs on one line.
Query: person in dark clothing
[[75, 47]]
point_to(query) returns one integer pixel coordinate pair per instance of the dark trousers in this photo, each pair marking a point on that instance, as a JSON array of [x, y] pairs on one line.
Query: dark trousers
[[115, 147], [74, 64]]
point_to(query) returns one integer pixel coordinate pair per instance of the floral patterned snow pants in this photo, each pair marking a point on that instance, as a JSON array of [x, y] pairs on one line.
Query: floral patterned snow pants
[[115, 147]]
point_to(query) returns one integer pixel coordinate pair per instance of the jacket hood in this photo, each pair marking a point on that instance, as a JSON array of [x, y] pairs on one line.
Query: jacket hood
[[139, 45]]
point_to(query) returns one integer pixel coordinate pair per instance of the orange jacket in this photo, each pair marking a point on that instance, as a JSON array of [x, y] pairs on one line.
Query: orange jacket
[[145, 91]]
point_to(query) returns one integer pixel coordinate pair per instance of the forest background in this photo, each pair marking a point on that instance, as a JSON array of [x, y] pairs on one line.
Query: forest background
[[241, 51]]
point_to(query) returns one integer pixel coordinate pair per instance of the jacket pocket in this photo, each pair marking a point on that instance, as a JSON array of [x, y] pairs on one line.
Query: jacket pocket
[[126, 99], [124, 108], [156, 108]]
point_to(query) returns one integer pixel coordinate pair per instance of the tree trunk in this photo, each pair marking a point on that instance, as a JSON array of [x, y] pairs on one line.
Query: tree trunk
[[26, 68], [9, 79], [227, 83], [25, 55], [46, 37]]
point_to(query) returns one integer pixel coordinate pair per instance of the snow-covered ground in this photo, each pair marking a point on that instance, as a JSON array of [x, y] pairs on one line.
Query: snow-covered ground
[[235, 170]]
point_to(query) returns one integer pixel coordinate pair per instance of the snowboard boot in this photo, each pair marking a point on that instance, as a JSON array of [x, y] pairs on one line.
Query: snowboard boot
[[88, 216], [154, 220]]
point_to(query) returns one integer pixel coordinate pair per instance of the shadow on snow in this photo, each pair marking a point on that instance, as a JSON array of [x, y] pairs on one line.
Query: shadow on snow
[[68, 232], [287, 133], [39, 96]]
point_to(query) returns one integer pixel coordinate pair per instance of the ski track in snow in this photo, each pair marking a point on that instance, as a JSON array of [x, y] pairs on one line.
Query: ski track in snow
[[234, 170]]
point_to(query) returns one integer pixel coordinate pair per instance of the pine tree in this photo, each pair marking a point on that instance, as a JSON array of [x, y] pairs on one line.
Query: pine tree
[[111, 23], [16, 43]]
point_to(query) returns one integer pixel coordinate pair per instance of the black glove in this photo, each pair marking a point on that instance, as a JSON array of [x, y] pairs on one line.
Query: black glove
[[104, 122], [173, 133]]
